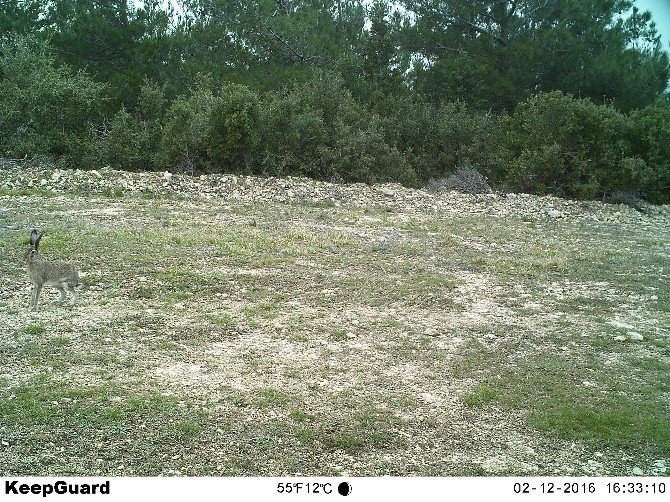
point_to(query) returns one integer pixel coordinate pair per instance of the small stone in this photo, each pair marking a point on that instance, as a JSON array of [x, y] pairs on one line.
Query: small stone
[[387, 192], [553, 213], [620, 338], [593, 467], [4, 442], [495, 464], [637, 471], [431, 332], [350, 335], [637, 337], [660, 467]]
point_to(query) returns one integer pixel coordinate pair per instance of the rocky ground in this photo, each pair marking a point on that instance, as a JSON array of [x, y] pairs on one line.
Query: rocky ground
[[233, 325], [248, 189]]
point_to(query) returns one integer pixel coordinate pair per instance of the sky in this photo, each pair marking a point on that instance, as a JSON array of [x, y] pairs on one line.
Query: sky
[[660, 11]]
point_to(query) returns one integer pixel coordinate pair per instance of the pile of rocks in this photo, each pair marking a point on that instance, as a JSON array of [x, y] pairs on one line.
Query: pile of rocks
[[465, 179], [15, 178]]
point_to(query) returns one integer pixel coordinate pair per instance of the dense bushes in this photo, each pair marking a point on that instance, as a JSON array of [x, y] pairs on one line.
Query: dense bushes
[[46, 110], [436, 141], [131, 140], [319, 130], [567, 146], [650, 138], [232, 132], [182, 145], [575, 148], [551, 143], [211, 130]]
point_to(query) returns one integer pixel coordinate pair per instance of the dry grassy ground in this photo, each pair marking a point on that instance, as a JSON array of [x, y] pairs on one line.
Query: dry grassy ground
[[239, 326]]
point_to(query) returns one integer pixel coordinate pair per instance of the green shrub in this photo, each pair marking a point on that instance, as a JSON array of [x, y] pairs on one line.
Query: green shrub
[[183, 145], [650, 137], [127, 143], [210, 131], [468, 139], [292, 137], [131, 140], [317, 129], [300, 126], [438, 140], [362, 155], [232, 132], [570, 147], [44, 109]]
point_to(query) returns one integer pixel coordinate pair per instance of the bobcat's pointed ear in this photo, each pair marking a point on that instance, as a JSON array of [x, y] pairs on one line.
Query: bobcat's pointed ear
[[37, 242], [33, 236]]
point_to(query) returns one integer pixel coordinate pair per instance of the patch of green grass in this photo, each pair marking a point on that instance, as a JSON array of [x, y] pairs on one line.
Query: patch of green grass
[[237, 400], [327, 204], [167, 345], [251, 322], [404, 402], [268, 310], [305, 435], [299, 337], [188, 428], [34, 329], [178, 296], [417, 288], [301, 416], [609, 410], [179, 279], [115, 191], [42, 404], [60, 341], [366, 428], [339, 335], [272, 397], [346, 440], [618, 422], [141, 292], [481, 395], [356, 440], [33, 349], [222, 320], [663, 303], [27, 192]]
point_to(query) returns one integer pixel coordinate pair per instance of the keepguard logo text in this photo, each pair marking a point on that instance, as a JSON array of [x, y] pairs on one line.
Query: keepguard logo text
[[57, 488]]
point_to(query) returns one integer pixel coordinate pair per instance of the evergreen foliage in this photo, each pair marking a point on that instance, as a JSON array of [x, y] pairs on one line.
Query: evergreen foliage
[[563, 97]]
